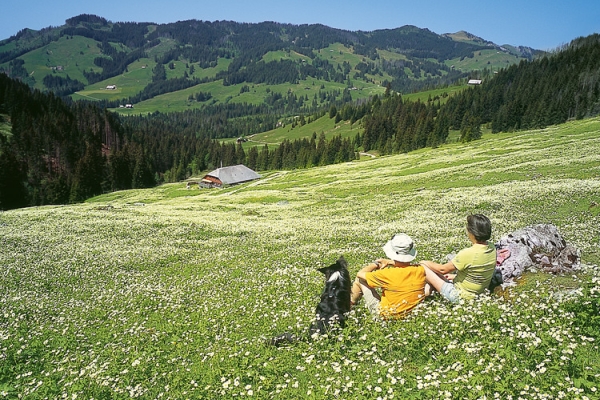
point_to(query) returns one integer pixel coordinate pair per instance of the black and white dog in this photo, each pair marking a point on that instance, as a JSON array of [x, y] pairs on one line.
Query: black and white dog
[[334, 304]]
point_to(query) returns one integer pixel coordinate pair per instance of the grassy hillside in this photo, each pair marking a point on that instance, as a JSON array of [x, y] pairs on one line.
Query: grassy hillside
[[491, 59], [171, 292], [344, 129], [130, 83], [324, 124], [139, 75], [64, 57], [179, 100], [442, 94]]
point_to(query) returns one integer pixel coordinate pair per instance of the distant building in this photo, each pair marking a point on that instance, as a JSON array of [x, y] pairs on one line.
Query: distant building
[[474, 82], [111, 87], [227, 176], [128, 105]]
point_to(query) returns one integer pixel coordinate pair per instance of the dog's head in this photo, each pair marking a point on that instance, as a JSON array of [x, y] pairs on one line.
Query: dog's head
[[334, 271], [336, 274]]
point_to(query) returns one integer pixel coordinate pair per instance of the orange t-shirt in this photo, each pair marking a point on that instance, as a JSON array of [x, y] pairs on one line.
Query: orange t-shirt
[[401, 289]]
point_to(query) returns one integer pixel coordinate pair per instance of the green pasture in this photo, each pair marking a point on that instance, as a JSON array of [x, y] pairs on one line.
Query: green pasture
[[139, 75], [179, 100], [390, 55], [172, 292], [9, 46], [163, 47], [337, 53], [442, 93], [491, 59], [324, 125], [129, 83], [330, 128], [463, 36], [179, 68], [50, 59], [285, 55]]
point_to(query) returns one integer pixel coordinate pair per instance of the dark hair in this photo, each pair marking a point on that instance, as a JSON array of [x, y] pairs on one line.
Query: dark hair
[[480, 226]]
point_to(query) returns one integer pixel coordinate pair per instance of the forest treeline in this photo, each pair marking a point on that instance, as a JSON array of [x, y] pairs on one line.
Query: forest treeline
[[548, 91], [59, 152]]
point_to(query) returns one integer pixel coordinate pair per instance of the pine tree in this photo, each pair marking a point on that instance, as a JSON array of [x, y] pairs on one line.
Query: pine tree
[[87, 181], [142, 173], [252, 161], [13, 193]]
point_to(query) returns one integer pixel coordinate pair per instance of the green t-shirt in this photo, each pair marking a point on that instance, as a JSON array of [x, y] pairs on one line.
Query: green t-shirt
[[475, 267]]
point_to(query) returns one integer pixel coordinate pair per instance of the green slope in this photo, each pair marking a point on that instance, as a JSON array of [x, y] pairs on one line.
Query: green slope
[[169, 292], [287, 131], [67, 56], [137, 76], [179, 100], [485, 59]]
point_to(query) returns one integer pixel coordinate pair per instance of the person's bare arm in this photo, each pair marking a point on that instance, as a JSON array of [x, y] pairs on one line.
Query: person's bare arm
[[369, 268], [440, 269]]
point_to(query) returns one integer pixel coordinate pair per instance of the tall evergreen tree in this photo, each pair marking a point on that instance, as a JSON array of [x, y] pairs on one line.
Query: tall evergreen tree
[[13, 193], [87, 181]]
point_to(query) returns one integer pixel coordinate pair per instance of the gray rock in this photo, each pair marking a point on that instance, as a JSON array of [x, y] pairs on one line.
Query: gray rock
[[540, 246]]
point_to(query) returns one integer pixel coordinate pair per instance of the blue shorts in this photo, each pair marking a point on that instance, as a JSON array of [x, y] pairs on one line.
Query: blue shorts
[[450, 292]]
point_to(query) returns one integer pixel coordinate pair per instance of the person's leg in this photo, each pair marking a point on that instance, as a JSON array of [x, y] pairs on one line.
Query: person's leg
[[435, 280], [372, 297], [428, 290], [443, 286], [450, 292], [355, 293]]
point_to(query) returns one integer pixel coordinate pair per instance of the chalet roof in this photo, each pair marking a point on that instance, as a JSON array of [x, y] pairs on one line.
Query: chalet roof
[[234, 174]]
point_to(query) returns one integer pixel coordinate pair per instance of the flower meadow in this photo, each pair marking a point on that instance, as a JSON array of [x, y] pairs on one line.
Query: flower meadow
[[170, 293]]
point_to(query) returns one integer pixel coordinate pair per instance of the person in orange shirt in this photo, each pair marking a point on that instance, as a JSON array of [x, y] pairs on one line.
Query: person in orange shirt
[[401, 283]]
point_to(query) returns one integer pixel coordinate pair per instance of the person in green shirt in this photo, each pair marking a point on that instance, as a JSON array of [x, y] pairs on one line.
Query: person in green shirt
[[473, 267]]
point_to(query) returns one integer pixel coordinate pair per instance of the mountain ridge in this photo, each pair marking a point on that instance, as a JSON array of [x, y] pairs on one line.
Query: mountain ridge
[[85, 53]]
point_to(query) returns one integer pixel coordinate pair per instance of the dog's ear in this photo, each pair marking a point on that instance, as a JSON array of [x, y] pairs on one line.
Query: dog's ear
[[339, 265]]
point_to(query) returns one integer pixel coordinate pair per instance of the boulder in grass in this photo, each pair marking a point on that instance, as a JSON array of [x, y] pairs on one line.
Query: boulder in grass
[[540, 246]]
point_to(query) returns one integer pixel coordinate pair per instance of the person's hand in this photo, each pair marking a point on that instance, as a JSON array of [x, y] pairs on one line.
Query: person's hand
[[380, 263], [383, 262]]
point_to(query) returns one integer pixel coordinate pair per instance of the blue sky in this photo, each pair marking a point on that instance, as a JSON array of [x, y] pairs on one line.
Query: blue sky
[[539, 24]]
